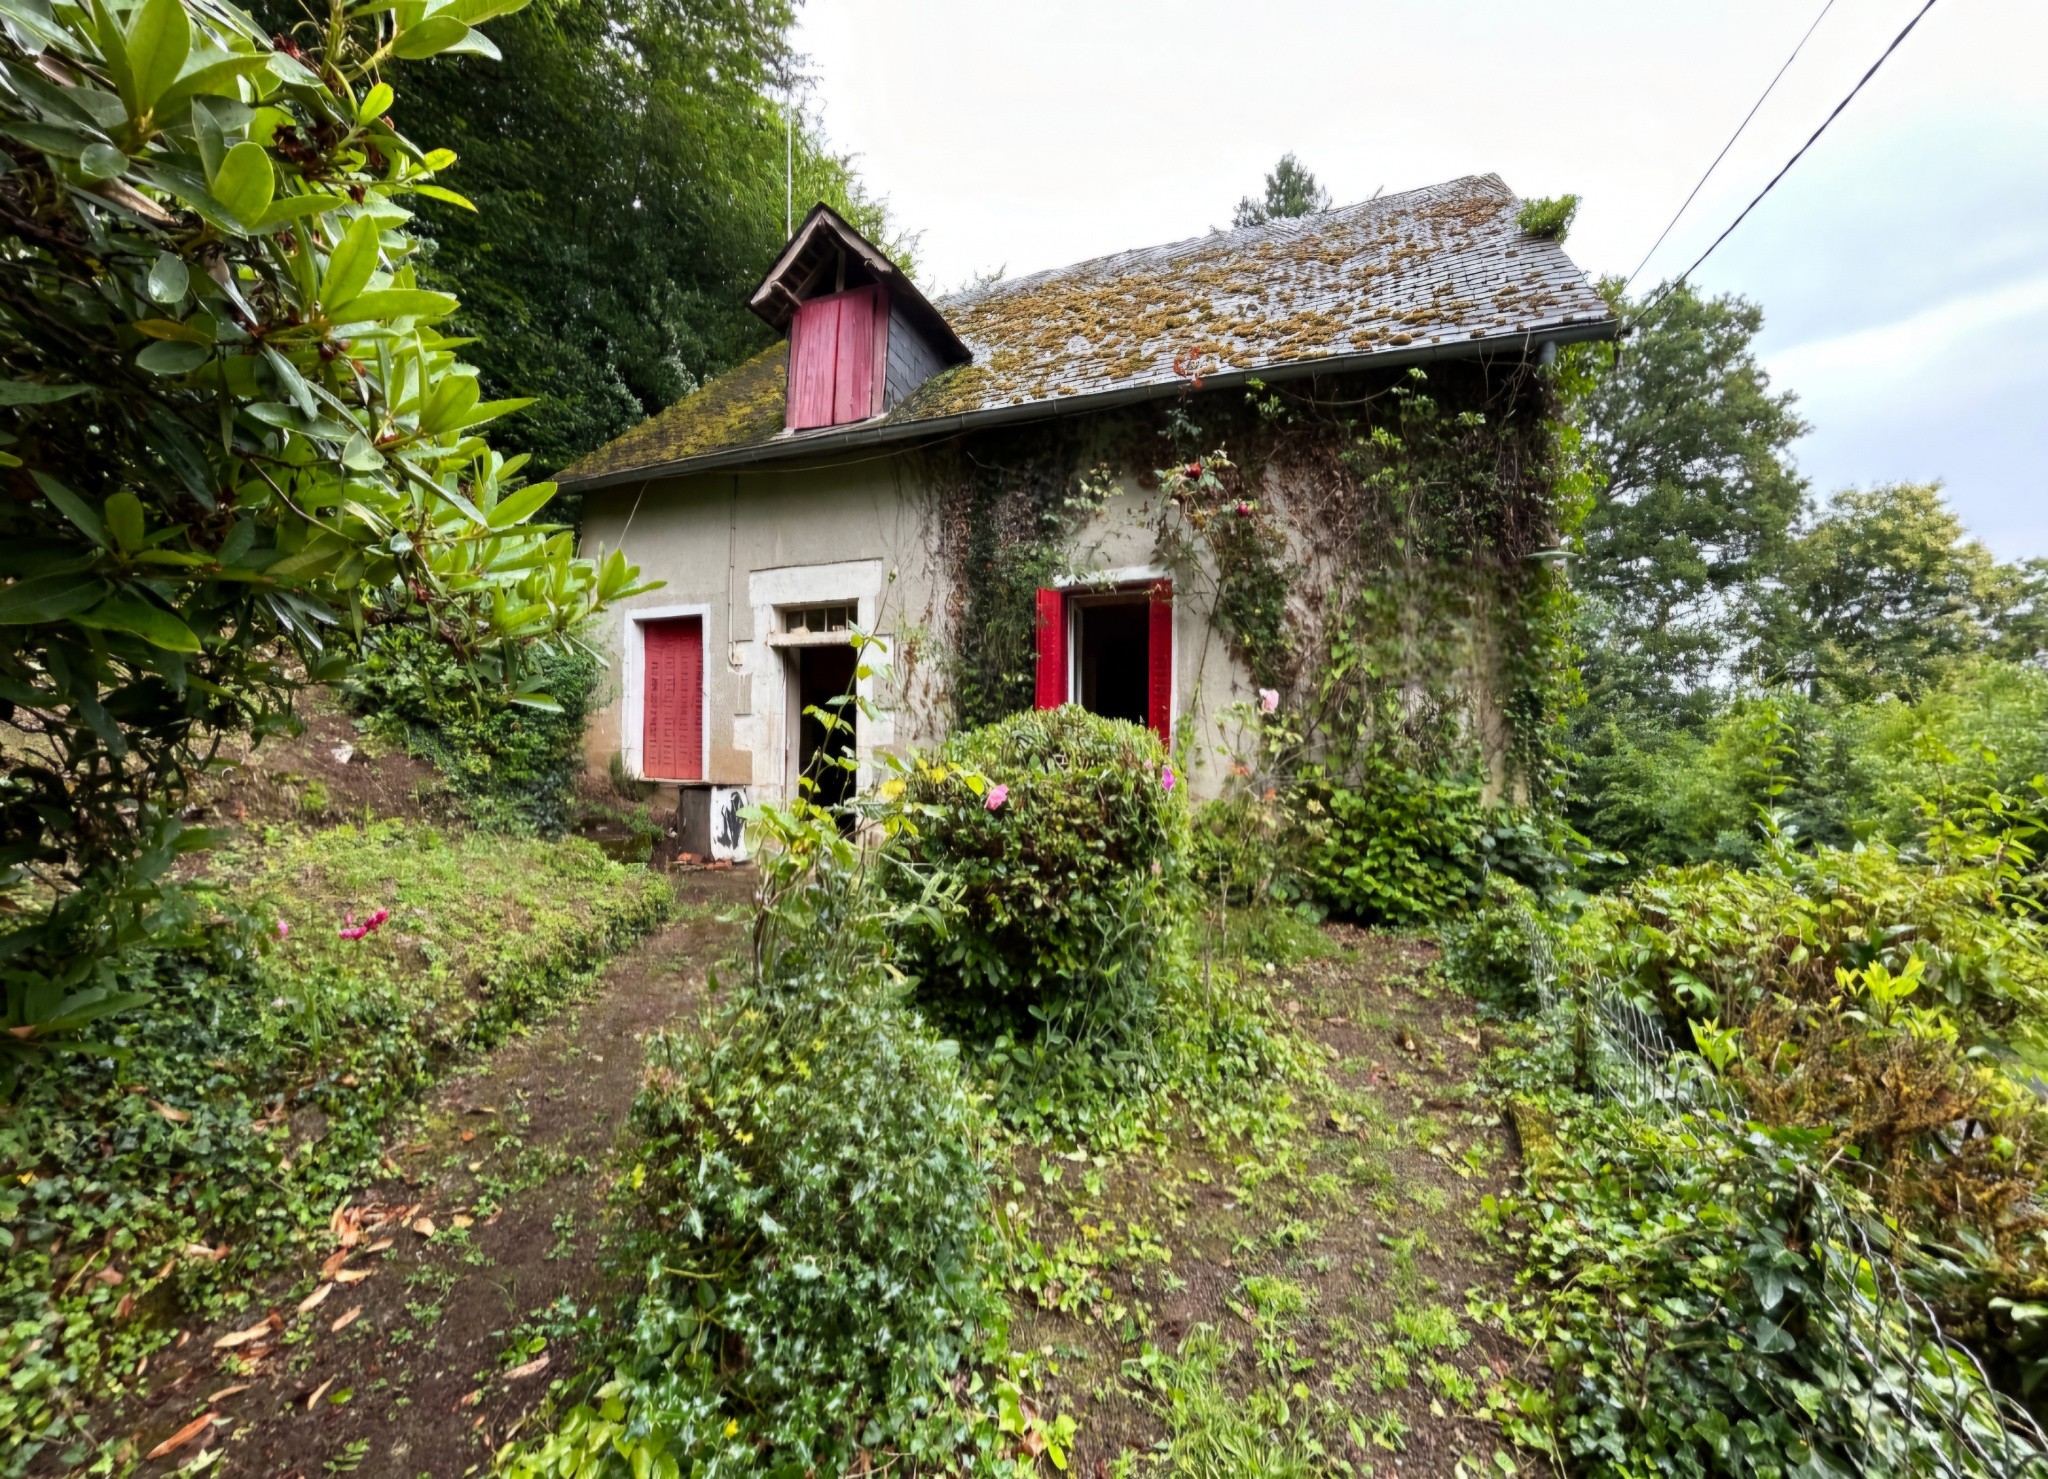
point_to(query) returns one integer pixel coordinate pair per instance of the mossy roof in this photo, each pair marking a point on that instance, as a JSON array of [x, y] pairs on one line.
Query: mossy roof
[[1427, 269]]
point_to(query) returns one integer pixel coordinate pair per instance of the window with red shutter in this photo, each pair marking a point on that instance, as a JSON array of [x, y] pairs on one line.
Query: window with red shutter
[[672, 699]]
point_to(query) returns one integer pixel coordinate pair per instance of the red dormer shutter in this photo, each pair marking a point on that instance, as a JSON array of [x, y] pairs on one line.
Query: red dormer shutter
[[813, 362], [1050, 691], [836, 352]]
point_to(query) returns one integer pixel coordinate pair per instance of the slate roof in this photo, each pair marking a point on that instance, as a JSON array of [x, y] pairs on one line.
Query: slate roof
[[1442, 270]]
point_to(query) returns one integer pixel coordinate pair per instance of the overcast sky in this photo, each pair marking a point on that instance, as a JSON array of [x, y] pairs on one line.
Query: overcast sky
[[1902, 266]]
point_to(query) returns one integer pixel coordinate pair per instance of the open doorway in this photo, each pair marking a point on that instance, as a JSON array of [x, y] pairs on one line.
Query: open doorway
[[1112, 640], [822, 675]]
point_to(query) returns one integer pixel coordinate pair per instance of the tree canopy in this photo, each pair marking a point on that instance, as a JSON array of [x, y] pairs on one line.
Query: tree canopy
[[626, 164], [1290, 191]]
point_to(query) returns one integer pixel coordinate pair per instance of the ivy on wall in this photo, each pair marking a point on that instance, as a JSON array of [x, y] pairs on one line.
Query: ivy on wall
[[1384, 551]]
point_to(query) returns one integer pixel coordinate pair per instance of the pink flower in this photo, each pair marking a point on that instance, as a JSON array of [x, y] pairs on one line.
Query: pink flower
[[354, 932], [376, 919], [284, 929], [1269, 699], [997, 795], [1244, 510], [1166, 775]]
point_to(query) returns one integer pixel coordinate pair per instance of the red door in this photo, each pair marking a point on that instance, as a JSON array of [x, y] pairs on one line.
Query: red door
[[672, 700]]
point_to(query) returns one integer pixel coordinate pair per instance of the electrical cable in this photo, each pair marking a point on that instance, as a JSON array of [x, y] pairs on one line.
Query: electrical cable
[[1830, 5], [1670, 286]]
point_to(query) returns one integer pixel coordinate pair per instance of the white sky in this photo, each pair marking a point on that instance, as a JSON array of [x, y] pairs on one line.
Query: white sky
[[1902, 266]]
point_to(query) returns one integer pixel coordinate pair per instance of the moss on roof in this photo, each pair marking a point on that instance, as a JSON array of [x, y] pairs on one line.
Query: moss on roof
[[740, 408], [1445, 264]]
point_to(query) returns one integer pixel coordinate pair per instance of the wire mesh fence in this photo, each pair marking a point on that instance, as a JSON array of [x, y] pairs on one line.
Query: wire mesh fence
[[1918, 1398]]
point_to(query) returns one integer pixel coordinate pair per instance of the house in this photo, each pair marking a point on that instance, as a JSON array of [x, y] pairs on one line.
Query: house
[[890, 451]]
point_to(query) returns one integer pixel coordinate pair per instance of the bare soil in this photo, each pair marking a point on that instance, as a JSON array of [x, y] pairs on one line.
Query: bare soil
[[1360, 1202], [407, 1364]]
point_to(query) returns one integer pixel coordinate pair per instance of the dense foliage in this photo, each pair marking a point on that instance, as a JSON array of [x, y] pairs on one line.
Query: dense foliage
[[270, 1054], [626, 165], [808, 1209], [232, 421], [1291, 190], [1063, 886], [512, 765]]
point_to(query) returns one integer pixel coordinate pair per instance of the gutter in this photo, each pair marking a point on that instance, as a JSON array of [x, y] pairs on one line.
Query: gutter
[[869, 434]]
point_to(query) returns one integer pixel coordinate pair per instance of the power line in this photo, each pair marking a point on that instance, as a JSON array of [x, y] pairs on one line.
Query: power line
[[1830, 5], [1661, 293]]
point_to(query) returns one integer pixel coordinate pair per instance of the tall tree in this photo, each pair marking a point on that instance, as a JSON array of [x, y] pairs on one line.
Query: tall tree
[[626, 161], [1887, 592], [1699, 498], [1290, 191]]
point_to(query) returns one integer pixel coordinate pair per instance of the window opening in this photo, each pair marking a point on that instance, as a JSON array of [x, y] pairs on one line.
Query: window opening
[[1114, 659], [819, 618]]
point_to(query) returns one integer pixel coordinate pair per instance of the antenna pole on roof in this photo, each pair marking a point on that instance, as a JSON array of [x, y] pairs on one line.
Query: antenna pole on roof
[[788, 159]]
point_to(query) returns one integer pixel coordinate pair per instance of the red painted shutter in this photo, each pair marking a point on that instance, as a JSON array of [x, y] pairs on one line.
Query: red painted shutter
[[853, 386], [1052, 649], [1159, 683], [813, 363], [672, 700]]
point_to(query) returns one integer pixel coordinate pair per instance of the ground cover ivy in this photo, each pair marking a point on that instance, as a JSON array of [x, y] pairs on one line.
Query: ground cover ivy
[[204, 1146]]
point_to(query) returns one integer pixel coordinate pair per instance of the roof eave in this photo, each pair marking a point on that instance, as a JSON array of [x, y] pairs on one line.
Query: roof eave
[[882, 433]]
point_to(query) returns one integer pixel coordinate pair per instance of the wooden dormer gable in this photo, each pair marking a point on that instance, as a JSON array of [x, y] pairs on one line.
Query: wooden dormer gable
[[861, 336]]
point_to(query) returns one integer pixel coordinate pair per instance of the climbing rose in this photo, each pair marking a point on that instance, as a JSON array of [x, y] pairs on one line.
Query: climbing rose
[[1166, 775], [997, 795], [1244, 510], [284, 929], [1269, 699]]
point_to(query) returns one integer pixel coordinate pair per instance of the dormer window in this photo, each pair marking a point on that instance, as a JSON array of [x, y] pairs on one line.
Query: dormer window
[[861, 336]]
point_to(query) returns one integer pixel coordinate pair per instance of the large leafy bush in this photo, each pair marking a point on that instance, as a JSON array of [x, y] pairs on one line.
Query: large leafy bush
[[1064, 886], [232, 420]]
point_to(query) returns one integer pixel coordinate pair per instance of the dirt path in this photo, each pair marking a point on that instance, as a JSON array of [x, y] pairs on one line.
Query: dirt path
[[1315, 1283], [492, 1214]]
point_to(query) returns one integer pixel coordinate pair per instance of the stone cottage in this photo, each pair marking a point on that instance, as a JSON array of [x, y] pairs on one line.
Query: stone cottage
[[816, 488]]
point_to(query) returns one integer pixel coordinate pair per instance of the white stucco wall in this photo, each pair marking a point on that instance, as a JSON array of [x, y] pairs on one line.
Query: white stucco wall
[[740, 547]]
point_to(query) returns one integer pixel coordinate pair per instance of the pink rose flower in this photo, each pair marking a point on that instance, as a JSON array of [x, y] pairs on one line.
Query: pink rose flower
[[1269, 699], [997, 795], [284, 929], [1166, 775], [1244, 510]]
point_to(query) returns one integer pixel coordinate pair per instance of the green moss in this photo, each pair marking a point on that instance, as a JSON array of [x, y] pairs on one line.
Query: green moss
[[741, 408]]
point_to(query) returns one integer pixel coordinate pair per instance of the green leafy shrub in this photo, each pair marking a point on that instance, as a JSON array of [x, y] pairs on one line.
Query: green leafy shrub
[[1548, 216], [1397, 845], [1236, 851], [1064, 885], [511, 760], [809, 1205], [1501, 952], [1869, 1001], [270, 1067]]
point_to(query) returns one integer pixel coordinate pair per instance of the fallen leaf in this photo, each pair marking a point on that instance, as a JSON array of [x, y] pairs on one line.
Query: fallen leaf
[[125, 1308], [462, 1219], [349, 1081], [379, 1246], [467, 1136], [353, 1275], [319, 1392], [183, 1436], [242, 1337], [240, 1386], [334, 1261], [346, 1320], [424, 1227], [530, 1368], [316, 1298], [469, 1400], [111, 1277], [175, 1116]]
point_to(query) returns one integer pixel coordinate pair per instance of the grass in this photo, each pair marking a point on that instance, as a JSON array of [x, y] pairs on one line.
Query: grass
[[208, 1140]]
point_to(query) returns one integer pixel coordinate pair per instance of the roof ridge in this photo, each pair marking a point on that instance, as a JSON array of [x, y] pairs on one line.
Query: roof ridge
[[1277, 226]]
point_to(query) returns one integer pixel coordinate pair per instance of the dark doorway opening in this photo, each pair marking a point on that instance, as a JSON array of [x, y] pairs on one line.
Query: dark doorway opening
[[823, 675], [1114, 637]]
